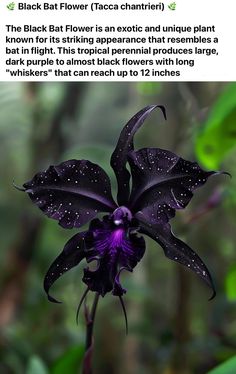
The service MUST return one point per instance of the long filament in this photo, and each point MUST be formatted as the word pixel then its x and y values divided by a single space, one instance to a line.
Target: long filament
pixel 125 314
pixel 80 303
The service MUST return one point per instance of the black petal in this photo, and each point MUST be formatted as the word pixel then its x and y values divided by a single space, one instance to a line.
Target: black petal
pixel 162 183
pixel 72 254
pixel 72 192
pixel 175 249
pixel 124 146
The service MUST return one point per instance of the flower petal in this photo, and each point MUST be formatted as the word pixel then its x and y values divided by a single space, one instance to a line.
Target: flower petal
pixel 101 279
pixel 72 254
pixel 124 146
pixel 72 192
pixel 162 182
pixel 175 249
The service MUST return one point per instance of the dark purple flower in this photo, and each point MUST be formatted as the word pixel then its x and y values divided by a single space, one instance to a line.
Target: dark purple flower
pixel 75 191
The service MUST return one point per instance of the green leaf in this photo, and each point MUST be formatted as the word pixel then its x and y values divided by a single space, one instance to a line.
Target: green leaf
pixel 217 137
pixel 230 284
pixel 69 362
pixel 36 366
pixel 228 367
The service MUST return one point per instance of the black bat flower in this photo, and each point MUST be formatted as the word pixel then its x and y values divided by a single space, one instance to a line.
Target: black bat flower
pixel 75 191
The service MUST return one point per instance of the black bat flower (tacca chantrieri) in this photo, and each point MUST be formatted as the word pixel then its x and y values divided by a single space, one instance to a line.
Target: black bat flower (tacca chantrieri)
pixel 75 191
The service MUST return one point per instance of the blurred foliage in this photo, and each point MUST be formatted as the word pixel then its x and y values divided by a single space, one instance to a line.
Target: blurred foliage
pixel 231 284
pixel 228 367
pixel 217 136
pixel 69 362
pixel 36 366
pixel 149 88
pixel 173 328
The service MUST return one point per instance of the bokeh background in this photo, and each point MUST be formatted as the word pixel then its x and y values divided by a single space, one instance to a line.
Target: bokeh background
pixel 173 328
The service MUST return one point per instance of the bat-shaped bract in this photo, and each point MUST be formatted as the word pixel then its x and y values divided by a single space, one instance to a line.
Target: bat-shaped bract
pixel 75 191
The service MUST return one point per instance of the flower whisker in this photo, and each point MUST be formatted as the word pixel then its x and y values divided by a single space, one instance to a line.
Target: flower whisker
pixel 80 304
pixel 125 314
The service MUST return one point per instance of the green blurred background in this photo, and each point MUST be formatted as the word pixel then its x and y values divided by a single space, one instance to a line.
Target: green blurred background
pixel 173 328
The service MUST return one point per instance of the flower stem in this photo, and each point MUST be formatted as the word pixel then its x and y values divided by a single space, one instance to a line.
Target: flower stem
pixel 90 323
pixel 90 318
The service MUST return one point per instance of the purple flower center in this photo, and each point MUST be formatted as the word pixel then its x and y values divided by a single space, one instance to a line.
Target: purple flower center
pixel 116 238
pixel 116 247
